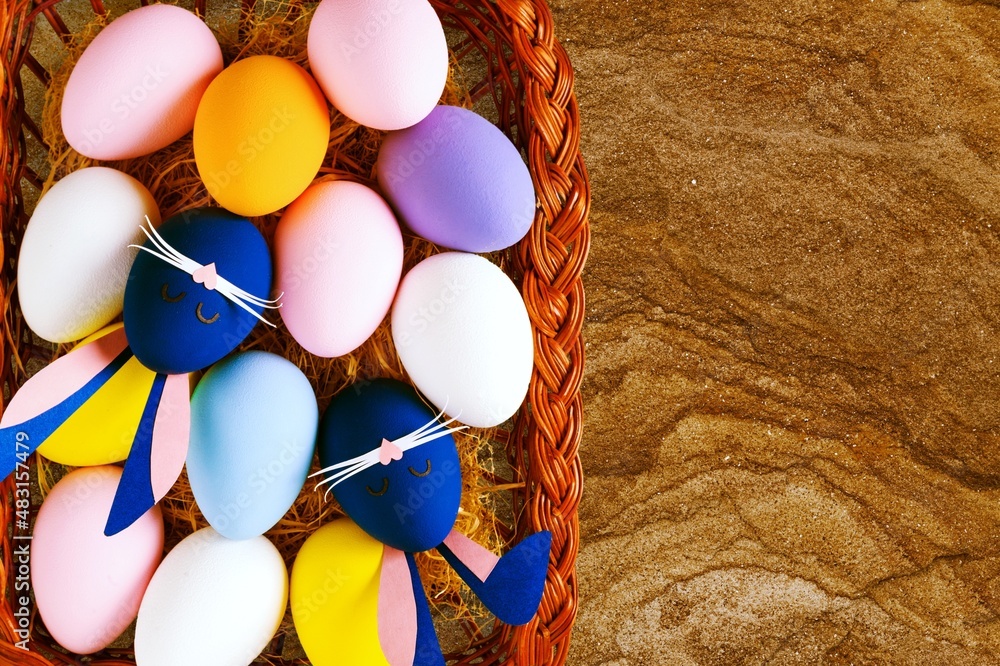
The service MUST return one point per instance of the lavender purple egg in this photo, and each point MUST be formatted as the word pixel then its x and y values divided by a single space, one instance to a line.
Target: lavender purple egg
pixel 458 181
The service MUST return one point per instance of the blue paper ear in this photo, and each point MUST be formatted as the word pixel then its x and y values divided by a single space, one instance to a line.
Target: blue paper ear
pixel 411 503
pixel 176 325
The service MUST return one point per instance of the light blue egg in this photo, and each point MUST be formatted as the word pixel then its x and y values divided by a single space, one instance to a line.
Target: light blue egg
pixel 253 432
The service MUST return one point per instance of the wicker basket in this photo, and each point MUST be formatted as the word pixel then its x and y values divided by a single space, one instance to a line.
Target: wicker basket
pixel 528 79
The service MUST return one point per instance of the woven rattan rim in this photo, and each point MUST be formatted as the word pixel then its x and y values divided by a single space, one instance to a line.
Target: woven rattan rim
pixel 530 80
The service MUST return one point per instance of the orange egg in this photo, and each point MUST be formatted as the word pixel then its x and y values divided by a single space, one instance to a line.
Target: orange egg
pixel 260 135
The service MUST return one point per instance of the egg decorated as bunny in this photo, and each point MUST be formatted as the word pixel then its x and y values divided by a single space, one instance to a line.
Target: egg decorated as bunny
pixel 179 322
pixel 395 471
pixel 195 291
pixel 410 504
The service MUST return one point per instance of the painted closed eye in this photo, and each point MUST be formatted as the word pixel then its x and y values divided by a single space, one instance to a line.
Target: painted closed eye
pixel 171 299
pixel 385 488
pixel 201 317
pixel 424 473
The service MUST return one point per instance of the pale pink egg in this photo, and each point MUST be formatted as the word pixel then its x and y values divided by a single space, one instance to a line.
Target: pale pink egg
pixel 137 86
pixel 88 586
pixel 383 63
pixel 339 255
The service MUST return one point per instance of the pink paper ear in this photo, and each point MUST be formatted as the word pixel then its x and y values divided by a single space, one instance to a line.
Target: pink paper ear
pixel 480 561
pixel 397 610
pixel 62 378
pixel 171 434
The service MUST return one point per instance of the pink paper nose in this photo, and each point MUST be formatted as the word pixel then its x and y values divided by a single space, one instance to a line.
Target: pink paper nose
pixel 389 452
pixel 206 275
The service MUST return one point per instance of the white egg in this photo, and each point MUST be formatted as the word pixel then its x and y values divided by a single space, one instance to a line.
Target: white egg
pixel 462 333
pixel 74 259
pixel 212 602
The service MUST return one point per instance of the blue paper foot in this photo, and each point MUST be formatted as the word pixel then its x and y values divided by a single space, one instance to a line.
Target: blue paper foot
pixel 514 588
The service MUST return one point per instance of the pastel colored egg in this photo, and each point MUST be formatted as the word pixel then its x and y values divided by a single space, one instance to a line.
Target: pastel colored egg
pixel 464 337
pixel 253 432
pixel 212 602
pixel 74 259
pixel 260 135
pixel 137 86
pixel 87 586
pixel 176 324
pixel 334 596
pixel 102 429
pixel 383 63
pixel 338 255
pixel 458 181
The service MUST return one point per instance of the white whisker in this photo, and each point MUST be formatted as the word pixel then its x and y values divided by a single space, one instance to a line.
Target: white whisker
pixel 344 474
pixel 155 236
pixel 347 463
pixel 432 424
pixel 420 436
pixel 241 298
pixel 437 435
pixel 361 464
pixel 430 431
pixel 158 255
pixel 256 300
pixel 249 309
pixel 335 479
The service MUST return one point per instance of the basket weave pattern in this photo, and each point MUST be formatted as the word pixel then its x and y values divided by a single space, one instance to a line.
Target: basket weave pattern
pixel 530 80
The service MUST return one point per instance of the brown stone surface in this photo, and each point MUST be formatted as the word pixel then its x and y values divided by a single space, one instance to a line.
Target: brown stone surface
pixel 792 439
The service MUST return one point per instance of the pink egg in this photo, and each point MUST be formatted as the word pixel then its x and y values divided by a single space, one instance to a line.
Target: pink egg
pixel 137 86
pixel 339 255
pixel 383 63
pixel 88 586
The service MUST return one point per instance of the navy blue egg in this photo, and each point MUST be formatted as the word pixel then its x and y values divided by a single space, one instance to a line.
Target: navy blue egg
pixel 175 325
pixel 410 504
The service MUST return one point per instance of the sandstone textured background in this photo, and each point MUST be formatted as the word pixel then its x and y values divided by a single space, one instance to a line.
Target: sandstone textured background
pixel 792 439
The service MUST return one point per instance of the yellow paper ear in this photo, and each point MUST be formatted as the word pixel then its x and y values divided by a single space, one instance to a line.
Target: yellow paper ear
pixel 101 431
pixel 334 596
